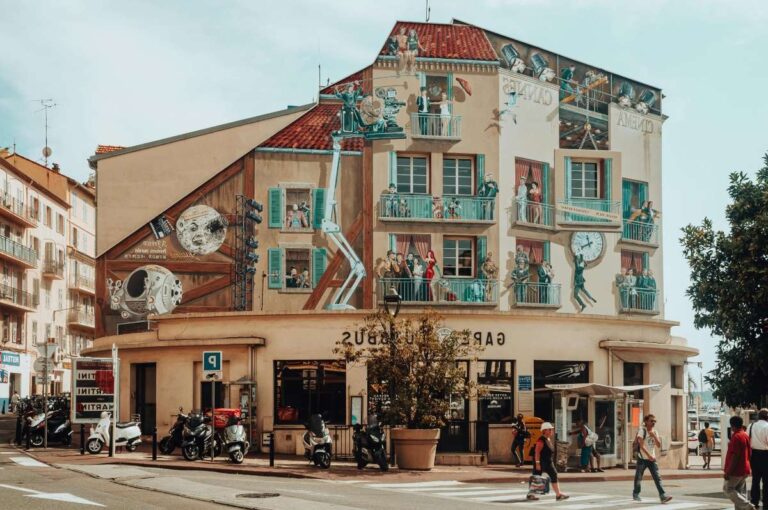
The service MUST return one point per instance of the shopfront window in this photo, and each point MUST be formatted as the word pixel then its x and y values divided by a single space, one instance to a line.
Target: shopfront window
pixel 304 388
pixel 556 372
pixel 634 375
pixel 495 384
pixel 605 426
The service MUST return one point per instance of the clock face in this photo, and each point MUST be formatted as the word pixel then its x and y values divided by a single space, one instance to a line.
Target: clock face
pixel 588 244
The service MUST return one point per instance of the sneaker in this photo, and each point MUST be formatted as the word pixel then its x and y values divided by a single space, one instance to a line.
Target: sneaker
pixel 532 497
pixel 562 497
pixel 666 499
pixel 636 498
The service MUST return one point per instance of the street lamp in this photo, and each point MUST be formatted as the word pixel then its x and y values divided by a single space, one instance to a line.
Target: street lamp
pixel 392 302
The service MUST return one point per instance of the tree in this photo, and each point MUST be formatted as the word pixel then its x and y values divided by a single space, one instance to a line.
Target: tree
pixel 729 290
pixel 415 365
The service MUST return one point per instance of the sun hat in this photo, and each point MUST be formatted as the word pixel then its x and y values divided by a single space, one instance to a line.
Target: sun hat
pixel 546 426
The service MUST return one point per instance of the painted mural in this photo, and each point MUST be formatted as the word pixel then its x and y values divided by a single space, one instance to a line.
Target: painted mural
pixel 149 289
pixel 201 230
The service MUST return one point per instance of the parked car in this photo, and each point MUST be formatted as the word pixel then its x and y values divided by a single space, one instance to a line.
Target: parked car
pixel 693 442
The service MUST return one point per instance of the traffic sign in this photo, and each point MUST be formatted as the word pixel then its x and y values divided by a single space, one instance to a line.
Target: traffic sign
pixel 212 361
pixel 40 365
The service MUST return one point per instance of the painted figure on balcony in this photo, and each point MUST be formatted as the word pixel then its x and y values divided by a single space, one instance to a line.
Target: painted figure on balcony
pixel 650 285
pixel 437 207
pixel 422 106
pixel 385 270
pixel 520 277
pixel 350 94
pixel 488 189
pixel 412 50
pixel 453 209
pixel 568 85
pixel 429 274
pixel 522 201
pixel 304 282
pixel 521 256
pixel 648 217
pixel 295 218
pixel 475 292
pixel 489 272
pixel 628 289
pixel 445 115
pixel 419 292
pixel 580 265
pixel 391 202
pixel 534 197
pixel 545 274
pixel 401 49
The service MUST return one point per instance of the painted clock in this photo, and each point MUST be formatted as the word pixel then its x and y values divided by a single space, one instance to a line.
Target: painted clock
pixel 590 245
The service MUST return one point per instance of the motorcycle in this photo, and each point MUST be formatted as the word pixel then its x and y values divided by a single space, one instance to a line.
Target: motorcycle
pixel 369 444
pixel 59 428
pixel 127 434
pixel 175 436
pixel 317 442
pixel 199 438
pixel 235 442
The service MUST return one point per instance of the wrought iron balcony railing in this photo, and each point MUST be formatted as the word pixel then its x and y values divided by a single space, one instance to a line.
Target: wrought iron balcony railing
pixel 18 208
pixel 536 295
pixel 435 126
pixel 636 300
pixel 587 210
pixel 418 207
pixel 441 291
pixel 17 296
pixel 82 318
pixel 532 214
pixel 18 251
pixel 640 232
pixel 82 282
pixel 53 268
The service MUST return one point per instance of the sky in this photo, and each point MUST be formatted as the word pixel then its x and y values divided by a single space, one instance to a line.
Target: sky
pixel 124 73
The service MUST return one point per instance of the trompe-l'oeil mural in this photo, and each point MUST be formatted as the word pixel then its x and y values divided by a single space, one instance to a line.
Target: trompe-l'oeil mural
pixel 150 289
pixel 201 229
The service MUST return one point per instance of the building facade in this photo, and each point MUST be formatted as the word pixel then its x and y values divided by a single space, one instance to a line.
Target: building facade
pixel 513 189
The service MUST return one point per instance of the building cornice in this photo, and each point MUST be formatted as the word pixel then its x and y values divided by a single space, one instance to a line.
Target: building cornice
pixel 285 150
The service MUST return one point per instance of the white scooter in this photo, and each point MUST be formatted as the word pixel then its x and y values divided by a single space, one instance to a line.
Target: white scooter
pixel 127 434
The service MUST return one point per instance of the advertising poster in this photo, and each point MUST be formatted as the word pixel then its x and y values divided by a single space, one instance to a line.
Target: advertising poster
pixel 93 389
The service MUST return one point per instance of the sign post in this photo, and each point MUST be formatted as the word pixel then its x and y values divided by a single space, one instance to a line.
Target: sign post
pixel 48 354
pixel 95 389
pixel 212 361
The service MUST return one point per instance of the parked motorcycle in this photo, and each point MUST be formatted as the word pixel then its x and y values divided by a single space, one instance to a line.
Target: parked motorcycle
pixel 369 444
pixel 199 438
pixel 59 428
pixel 317 442
pixel 127 434
pixel 175 436
pixel 235 442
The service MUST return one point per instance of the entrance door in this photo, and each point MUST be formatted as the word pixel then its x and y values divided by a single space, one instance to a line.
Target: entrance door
pixel 454 436
pixel 205 394
pixel 634 422
pixel 145 400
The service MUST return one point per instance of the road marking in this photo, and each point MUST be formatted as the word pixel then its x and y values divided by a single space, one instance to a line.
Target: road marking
pixel 27 462
pixel 585 506
pixel 672 506
pixel 413 484
pixel 586 497
pixel 55 496
pixel 453 488
pixel 487 492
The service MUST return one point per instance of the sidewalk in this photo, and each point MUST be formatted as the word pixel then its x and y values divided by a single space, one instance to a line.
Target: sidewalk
pixel 295 467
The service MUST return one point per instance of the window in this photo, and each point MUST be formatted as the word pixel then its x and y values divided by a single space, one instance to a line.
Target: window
pixel 47 302
pixel 73 240
pixel 436 87
pixel 634 375
pixel 676 422
pixel 412 174
pixel 295 269
pixel 297 208
pixel 47 333
pixel 633 195
pixel 458 257
pixel 304 388
pixel 495 380
pixel 61 299
pixel 48 215
pixel 36 291
pixel 457 176
pixel 584 180
pixel 676 377
pixel 297 273
pixel 635 260
pixel 605 426
pixel 59 223
pixel 36 208
pixel 36 247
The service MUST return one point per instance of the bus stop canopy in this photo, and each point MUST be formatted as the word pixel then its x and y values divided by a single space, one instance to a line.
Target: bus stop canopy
pixel 602 390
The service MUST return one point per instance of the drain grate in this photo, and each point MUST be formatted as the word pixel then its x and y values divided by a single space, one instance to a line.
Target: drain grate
pixel 258 495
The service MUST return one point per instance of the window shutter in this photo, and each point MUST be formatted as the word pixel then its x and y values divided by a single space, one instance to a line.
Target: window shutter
pixel 646 260
pixel 318 265
pixel 545 255
pixel 422 80
pixel 480 170
pixel 275 208
pixel 642 192
pixel 545 182
pixel 275 270
pixel 482 247
pixel 449 92
pixel 607 175
pixel 318 203
pixel 626 198
pixel 568 188
pixel 392 168
pixel 393 242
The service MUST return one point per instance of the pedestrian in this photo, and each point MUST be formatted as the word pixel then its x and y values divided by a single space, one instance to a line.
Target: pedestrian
pixel 706 444
pixel 15 401
pixel 543 462
pixel 737 466
pixel 520 434
pixel 758 441
pixel 645 445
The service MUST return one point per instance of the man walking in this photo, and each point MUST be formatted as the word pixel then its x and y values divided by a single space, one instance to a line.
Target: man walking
pixel 15 401
pixel 706 444
pixel 758 441
pixel 645 447
pixel 737 466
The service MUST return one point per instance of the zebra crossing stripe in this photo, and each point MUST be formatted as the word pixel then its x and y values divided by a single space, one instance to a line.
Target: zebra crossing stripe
pixel 673 506
pixel 486 492
pixel 414 485
pixel 585 506
pixel 586 497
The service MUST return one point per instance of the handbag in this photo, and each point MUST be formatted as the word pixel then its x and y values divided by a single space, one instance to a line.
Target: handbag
pixel 538 484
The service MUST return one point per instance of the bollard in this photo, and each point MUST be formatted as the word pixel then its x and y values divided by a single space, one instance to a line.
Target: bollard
pixel 18 431
pixel 82 439
pixel 271 449
pixel 392 454
pixel 154 443
pixel 29 438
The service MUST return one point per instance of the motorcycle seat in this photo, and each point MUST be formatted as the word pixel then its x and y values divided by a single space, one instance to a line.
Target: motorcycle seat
pixel 126 424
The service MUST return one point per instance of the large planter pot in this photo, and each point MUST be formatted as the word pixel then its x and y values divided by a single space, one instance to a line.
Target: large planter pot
pixel 415 448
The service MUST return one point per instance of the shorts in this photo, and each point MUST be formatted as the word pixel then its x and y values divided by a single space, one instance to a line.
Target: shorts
pixel 705 449
pixel 550 470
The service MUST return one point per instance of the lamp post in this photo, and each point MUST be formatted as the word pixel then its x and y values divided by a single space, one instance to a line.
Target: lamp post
pixel 392 303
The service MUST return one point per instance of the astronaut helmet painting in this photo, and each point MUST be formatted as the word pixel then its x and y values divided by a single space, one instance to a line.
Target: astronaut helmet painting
pixel 201 229
pixel 149 289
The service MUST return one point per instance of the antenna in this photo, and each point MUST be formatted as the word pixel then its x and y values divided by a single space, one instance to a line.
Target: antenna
pixel 47 105
pixel 428 11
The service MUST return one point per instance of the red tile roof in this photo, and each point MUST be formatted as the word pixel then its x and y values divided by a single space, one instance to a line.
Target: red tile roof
pixel 313 131
pixel 352 77
pixel 102 149
pixel 464 42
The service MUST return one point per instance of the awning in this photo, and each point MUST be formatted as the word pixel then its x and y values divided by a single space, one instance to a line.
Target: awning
pixel 594 389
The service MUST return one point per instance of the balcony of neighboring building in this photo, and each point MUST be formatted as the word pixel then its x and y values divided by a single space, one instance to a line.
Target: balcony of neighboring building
pixel 425 208
pixel 436 126
pixel 53 269
pixel 475 292
pixel 82 283
pixel 16 211
pixel 535 295
pixel 17 253
pixel 82 318
pixel 17 299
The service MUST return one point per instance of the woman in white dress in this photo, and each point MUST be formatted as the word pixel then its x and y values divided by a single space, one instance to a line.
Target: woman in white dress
pixel 445 115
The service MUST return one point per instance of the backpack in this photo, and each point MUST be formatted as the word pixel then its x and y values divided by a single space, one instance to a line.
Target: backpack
pixel 636 445
pixel 591 438
pixel 702 437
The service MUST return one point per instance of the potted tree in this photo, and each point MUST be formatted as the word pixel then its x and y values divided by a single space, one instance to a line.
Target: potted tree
pixel 415 365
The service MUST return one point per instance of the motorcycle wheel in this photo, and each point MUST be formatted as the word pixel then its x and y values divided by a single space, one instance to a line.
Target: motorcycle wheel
pixel 36 440
pixel 190 452
pixel 131 447
pixel 381 460
pixel 361 463
pixel 167 445
pixel 236 456
pixel 93 446
pixel 323 459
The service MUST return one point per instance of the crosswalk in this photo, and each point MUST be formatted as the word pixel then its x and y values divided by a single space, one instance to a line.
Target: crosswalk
pixel 515 496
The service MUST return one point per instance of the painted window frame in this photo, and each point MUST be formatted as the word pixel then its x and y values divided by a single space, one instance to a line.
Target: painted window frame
pixel 428 172
pixel 472 175
pixel 473 263
pixel 598 178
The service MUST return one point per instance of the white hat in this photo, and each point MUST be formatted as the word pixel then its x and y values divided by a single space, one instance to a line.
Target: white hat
pixel 546 426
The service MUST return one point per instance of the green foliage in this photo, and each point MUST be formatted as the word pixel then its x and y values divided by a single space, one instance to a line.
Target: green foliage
pixel 416 365
pixel 729 290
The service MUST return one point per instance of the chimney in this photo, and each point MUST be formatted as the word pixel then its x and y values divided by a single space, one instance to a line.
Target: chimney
pixel 55 167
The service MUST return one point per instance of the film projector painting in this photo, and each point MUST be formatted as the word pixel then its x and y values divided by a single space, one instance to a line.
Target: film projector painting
pixel 182 260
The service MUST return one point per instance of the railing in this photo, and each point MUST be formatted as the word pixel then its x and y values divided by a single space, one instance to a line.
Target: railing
pixel 17 207
pixel 595 210
pixel 532 214
pixel 435 126
pixel 536 294
pixel 84 318
pixel 635 300
pixel 449 208
pixel 641 232
pixel 17 250
pixel 441 291
pixel 83 282
pixel 53 267
pixel 16 296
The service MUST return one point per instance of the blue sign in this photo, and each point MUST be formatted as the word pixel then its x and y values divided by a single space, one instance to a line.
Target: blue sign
pixel 212 361
pixel 11 359
pixel 524 383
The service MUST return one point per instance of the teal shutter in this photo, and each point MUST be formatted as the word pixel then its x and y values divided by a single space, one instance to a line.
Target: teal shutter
pixel 422 81
pixel 626 198
pixel 392 168
pixel 318 202
pixel 318 265
pixel 568 188
pixel 482 250
pixel 275 269
pixel 480 170
pixel 546 252
pixel 607 175
pixel 545 183
pixel 642 193
pixel 646 260
pixel 392 242
pixel 275 208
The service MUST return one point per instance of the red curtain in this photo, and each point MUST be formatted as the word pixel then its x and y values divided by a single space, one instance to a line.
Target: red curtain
pixel 531 170
pixel 421 242
pixel 632 259
pixel 534 249
pixel 401 244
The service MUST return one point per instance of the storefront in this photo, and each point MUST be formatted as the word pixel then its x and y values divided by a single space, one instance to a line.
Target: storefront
pixel 14 376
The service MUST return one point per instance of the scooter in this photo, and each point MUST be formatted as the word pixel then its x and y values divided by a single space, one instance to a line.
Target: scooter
pixel 175 436
pixel 59 429
pixel 199 438
pixel 317 442
pixel 127 434
pixel 369 444
pixel 235 442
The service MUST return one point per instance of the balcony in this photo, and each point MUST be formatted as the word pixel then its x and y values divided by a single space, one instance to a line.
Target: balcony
pixel 82 284
pixel 642 301
pixel 15 211
pixel 433 126
pixel 595 213
pixel 426 208
pixel 640 232
pixel 53 269
pixel 441 291
pixel 17 253
pixel 82 318
pixel 533 214
pixel 17 299
pixel 535 295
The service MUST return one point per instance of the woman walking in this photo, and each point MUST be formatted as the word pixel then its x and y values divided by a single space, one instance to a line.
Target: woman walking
pixel 543 460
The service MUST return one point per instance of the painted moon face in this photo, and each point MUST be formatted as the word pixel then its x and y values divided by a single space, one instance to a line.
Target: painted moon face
pixel 588 244
pixel 201 230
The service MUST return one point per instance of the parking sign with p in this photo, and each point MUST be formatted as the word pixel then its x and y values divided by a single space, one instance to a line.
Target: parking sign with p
pixel 212 361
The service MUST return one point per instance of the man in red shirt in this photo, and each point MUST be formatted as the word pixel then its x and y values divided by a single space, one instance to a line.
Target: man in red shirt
pixel 737 466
